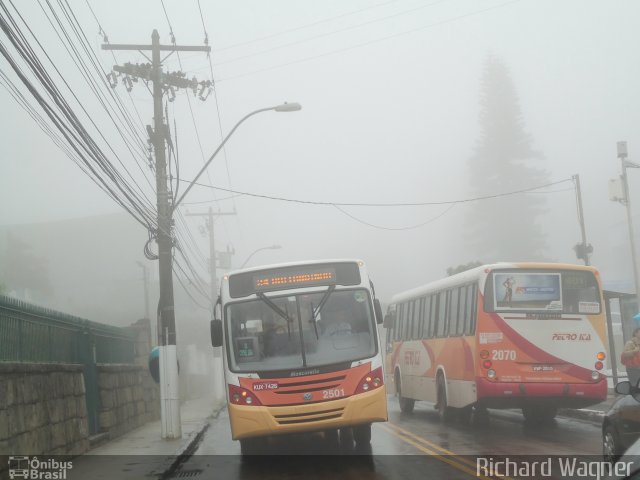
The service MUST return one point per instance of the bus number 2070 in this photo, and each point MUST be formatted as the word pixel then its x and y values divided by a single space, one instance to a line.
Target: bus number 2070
pixel 503 354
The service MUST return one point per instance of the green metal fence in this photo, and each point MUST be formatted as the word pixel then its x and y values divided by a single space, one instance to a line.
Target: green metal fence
pixel 29 333
pixel 33 334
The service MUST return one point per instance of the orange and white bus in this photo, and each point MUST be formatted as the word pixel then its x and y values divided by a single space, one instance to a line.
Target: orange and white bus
pixel 301 351
pixel 508 335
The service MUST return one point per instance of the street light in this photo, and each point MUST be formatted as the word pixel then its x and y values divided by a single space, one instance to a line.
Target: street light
pixel 285 107
pixel 272 247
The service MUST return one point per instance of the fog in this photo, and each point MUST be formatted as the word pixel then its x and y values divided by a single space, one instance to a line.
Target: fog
pixel 391 96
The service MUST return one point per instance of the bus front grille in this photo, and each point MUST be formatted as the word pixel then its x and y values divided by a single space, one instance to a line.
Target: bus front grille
pixel 309 416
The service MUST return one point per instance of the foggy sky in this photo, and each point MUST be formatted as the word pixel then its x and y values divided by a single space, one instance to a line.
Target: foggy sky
pixel 392 121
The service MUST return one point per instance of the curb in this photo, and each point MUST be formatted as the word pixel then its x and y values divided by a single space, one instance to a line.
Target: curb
pixel 591 416
pixel 189 446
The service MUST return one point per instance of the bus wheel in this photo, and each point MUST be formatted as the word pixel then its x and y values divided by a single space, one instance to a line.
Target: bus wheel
pixel 346 438
pixel 362 435
pixel 251 446
pixel 464 415
pixel 406 404
pixel 480 416
pixel 444 411
pixel 539 414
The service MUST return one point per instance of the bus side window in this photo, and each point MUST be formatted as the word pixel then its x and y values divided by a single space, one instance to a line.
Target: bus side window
pixel 426 305
pixel 433 316
pixel 442 313
pixel 463 315
pixel 420 330
pixel 453 311
pixel 410 320
pixel 417 317
pixel 473 299
pixel 397 327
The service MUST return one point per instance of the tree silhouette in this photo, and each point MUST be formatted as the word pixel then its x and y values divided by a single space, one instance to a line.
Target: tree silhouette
pixel 504 228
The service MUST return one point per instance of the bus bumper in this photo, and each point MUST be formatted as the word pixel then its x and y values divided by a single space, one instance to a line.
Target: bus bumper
pixel 518 394
pixel 257 421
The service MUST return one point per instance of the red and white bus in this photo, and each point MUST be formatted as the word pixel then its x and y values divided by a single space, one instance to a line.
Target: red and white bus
pixel 301 351
pixel 508 335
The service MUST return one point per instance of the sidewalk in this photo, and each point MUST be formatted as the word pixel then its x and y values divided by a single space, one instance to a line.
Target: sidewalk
pixel 142 453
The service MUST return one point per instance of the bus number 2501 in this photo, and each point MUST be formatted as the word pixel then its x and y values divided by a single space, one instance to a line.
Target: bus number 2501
pixel 333 393
pixel 503 354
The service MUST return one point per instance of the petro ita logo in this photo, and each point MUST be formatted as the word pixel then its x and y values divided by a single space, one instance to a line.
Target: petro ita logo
pixel 35 469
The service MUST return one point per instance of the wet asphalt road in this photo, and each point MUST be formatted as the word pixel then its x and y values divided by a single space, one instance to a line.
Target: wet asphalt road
pixel 416 445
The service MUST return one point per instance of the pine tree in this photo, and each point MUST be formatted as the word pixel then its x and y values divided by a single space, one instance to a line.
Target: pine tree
pixel 504 228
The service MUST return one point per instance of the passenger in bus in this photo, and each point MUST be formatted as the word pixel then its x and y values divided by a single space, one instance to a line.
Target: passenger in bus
pixel 631 357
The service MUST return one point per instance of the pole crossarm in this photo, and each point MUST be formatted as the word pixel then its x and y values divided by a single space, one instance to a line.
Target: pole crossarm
pixel 162 48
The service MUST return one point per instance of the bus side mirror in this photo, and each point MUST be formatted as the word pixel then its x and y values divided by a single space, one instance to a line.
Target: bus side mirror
pixel 388 320
pixel 378 310
pixel 216 333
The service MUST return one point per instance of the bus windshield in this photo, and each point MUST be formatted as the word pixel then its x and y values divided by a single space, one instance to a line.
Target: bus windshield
pixel 299 331
pixel 565 291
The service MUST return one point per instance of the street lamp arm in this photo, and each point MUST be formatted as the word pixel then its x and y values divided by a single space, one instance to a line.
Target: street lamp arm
pixel 192 183
pixel 272 247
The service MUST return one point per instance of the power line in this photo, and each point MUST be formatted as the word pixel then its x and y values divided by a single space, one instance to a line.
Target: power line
pixel 371 42
pixel 396 228
pixel 333 32
pixel 400 204
pixel 313 24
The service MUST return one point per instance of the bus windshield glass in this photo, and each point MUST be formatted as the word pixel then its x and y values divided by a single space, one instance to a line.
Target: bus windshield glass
pixel 566 291
pixel 300 331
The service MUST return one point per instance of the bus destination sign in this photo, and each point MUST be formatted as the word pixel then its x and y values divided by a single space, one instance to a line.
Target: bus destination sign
pixel 243 284
pixel 264 281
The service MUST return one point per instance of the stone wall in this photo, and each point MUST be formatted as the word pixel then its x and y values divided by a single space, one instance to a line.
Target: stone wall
pixel 128 398
pixel 42 409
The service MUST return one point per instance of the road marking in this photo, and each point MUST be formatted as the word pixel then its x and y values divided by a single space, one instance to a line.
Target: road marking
pixel 431 448
pixel 459 466
pixel 432 445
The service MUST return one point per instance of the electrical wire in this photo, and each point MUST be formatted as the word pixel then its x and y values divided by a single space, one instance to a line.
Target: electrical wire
pixel 395 228
pixel 399 204
pixel 313 24
pixel 370 42
pixel 333 32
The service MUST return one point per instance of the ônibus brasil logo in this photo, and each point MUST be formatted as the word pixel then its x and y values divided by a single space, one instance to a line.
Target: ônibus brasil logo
pixel 34 469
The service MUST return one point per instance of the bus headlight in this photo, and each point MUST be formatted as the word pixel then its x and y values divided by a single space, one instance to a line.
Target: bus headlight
pixel 370 381
pixel 595 375
pixel 491 373
pixel 242 396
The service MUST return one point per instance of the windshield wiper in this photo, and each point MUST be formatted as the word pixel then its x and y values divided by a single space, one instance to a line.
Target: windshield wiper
pixel 276 309
pixel 315 312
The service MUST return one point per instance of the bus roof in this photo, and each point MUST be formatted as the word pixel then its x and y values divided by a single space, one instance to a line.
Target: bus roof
pixel 476 273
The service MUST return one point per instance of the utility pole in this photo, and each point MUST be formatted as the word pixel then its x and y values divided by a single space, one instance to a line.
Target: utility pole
pixel 583 250
pixel 218 391
pixel 145 281
pixel 169 386
pixel 626 200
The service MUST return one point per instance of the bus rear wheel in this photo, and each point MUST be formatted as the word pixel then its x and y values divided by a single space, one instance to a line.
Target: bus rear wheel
pixel 362 435
pixel 539 414
pixel 406 404
pixel 444 411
